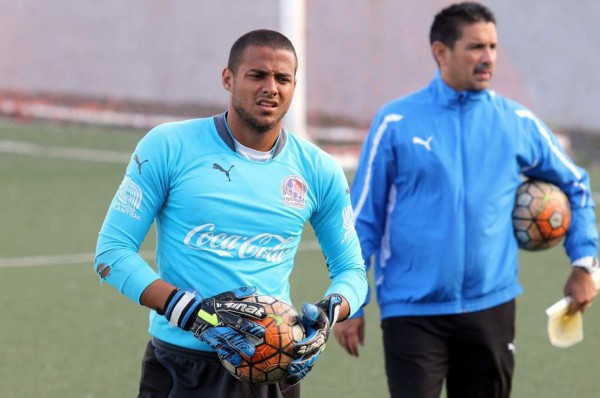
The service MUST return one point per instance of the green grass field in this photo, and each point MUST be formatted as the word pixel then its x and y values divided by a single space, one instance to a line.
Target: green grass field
pixel 64 335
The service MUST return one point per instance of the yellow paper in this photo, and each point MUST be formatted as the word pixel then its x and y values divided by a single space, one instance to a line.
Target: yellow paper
pixel 566 330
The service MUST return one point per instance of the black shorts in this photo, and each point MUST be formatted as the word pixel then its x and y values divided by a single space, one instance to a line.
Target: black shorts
pixel 176 372
pixel 473 351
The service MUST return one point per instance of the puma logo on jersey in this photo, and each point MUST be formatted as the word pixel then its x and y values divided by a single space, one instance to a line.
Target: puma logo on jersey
pixel 217 166
pixel 139 164
pixel 426 143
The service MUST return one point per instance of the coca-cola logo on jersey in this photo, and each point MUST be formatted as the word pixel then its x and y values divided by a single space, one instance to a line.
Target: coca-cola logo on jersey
pixel 268 247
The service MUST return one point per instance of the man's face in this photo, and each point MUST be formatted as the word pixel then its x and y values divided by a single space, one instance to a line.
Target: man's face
pixel 262 88
pixel 469 65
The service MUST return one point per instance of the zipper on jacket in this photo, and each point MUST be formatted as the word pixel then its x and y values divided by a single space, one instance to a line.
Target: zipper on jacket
pixel 462 100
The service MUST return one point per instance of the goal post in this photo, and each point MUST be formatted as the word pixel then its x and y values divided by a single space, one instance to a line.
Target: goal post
pixel 292 23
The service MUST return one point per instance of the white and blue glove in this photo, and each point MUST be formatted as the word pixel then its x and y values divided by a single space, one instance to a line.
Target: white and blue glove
pixel 221 321
pixel 317 319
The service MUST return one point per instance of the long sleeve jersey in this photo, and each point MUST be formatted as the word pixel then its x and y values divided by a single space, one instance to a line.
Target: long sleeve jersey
pixel 224 221
pixel 434 193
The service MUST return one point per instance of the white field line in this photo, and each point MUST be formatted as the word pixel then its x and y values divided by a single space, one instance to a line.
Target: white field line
pixel 90 155
pixel 83 258
pixel 93 155
pixel 61 259
pixel 348 162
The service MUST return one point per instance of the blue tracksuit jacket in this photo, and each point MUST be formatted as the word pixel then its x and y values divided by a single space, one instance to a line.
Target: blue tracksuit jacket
pixel 434 193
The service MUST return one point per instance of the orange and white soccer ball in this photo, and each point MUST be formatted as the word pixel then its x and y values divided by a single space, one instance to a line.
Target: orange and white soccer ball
pixel 283 329
pixel 541 216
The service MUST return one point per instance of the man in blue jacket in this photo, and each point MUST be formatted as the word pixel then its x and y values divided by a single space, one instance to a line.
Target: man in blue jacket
pixel 433 197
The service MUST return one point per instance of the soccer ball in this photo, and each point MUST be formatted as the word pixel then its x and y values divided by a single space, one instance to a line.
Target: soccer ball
pixel 541 216
pixel 283 329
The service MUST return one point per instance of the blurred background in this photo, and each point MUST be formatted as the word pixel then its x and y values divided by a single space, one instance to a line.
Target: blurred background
pixel 82 81
pixel 139 62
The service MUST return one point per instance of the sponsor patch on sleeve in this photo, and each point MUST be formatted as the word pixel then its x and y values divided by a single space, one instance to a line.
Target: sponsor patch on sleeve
pixel 347 222
pixel 128 198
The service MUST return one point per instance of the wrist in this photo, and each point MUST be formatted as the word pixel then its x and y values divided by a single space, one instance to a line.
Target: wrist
pixel 162 310
pixel 331 306
pixel 589 264
pixel 180 308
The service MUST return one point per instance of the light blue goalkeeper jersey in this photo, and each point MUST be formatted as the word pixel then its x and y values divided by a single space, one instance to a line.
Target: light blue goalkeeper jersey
pixel 224 221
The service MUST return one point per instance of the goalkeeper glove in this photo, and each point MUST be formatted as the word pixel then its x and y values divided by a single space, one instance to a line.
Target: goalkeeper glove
pixel 220 321
pixel 318 319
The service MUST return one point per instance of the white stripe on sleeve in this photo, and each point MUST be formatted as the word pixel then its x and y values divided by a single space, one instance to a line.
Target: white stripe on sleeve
pixel 561 156
pixel 376 140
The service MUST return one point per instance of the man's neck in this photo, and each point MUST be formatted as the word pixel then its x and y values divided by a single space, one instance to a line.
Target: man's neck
pixel 262 141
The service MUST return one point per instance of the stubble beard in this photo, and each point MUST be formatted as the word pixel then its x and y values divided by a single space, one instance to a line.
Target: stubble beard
pixel 254 123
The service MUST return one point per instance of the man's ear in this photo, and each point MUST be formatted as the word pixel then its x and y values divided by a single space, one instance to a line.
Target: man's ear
pixel 226 79
pixel 440 52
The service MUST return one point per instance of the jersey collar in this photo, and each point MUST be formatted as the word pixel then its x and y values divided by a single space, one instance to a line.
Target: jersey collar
pixel 226 136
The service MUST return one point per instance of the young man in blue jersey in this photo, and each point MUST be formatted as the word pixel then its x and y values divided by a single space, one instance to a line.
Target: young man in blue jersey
pixel 230 195
pixel 433 197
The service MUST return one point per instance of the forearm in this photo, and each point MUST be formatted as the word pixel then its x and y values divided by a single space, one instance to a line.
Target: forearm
pixel 582 237
pixel 156 294
pixel 124 269
pixel 352 285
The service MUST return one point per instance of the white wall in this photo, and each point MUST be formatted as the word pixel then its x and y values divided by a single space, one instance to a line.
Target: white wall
pixel 139 49
pixel 360 53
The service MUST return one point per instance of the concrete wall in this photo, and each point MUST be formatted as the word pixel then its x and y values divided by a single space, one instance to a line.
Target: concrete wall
pixel 137 49
pixel 382 52
pixel 360 53
pixel 553 45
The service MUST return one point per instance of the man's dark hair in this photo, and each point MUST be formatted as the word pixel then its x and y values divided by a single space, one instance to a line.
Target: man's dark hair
pixel 258 38
pixel 447 24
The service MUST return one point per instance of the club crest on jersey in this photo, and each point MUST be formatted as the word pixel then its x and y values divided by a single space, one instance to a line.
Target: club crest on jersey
pixel 293 191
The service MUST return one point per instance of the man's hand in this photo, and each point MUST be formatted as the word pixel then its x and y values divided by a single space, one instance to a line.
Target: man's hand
pixel 580 287
pixel 350 334
pixel 318 319
pixel 221 321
